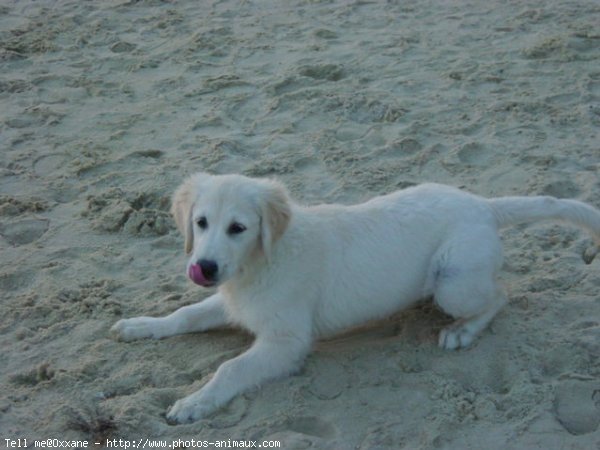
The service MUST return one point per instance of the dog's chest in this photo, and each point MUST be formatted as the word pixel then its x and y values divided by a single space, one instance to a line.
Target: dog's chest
pixel 246 310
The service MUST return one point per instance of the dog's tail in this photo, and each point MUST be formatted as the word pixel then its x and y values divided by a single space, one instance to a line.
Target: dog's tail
pixel 512 210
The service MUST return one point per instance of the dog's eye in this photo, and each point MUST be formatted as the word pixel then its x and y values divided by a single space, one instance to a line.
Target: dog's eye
pixel 236 228
pixel 202 223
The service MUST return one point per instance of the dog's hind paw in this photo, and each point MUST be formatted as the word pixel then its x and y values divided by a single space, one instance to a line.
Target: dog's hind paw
pixel 456 336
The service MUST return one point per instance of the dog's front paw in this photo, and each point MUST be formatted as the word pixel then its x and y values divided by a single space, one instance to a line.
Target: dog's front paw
pixel 137 328
pixel 189 409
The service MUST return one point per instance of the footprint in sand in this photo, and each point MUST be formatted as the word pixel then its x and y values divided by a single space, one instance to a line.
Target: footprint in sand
pixel 311 426
pixel 329 381
pixel 577 406
pixel 303 432
pixel 561 189
pixel 122 47
pixel 135 213
pixel 24 231
pixel 473 154
pixel 49 163
pixel 14 281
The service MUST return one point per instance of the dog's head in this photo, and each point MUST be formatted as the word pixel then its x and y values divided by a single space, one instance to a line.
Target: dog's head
pixel 227 220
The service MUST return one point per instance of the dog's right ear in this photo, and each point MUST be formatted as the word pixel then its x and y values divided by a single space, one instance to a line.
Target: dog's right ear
pixel 182 204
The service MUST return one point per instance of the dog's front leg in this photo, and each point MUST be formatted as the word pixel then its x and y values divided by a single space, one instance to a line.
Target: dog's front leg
pixel 202 316
pixel 268 358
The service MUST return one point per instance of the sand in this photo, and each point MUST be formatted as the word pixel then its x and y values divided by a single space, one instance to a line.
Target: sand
pixel 106 105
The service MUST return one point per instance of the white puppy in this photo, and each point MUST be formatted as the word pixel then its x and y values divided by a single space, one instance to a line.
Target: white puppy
pixel 290 274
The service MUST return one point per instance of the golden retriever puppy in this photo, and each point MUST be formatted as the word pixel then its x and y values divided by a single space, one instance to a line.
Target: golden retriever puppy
pixel 290 274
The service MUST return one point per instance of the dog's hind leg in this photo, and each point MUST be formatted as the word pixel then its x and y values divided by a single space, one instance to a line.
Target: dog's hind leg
pixel 464 331
pixel 465 286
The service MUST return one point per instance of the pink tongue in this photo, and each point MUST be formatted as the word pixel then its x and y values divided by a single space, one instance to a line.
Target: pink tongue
pixel 196 275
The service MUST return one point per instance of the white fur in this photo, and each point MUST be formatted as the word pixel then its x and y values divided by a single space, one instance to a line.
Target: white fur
pixel 298 273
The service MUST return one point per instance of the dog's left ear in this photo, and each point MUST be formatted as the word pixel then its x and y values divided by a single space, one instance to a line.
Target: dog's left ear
pixel 275 214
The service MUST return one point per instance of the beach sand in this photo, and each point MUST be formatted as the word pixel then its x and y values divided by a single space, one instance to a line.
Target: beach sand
pixel 107 105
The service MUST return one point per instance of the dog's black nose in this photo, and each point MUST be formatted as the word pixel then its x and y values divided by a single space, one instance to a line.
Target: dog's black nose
pixel 209 269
